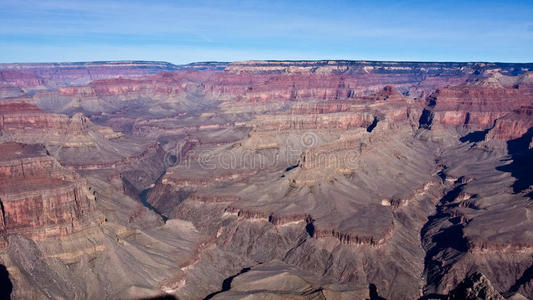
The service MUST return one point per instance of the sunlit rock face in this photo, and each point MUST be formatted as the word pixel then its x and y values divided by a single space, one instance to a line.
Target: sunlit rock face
pixel 329 80
pixel 39 198
pixel 267 179
pixel 485 104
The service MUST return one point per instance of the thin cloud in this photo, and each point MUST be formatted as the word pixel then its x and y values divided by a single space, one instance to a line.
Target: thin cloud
pixel 329 28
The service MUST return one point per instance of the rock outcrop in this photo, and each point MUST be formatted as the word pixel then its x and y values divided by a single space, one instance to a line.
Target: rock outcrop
pixel 39 198
pixel 475 286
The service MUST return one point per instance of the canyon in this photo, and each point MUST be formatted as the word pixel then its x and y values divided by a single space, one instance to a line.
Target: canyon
pixel 267 180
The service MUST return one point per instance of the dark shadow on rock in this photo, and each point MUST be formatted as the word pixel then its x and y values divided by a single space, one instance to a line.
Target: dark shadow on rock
pixel 144 199
pixel 373 292
pixel 373 125
pixel 522 161
pixel 226 284
pixel 426 119
pixel 526 277
pixel 433 297
pixel 475 136
pixel 291 167
pixel 163 297
pixel 6 287
pixel 310 229
pixel 450 237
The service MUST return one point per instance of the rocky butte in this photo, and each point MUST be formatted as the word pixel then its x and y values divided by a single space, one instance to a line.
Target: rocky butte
pixel 267 179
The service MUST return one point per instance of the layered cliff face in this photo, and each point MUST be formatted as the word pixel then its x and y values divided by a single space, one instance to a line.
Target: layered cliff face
pixel 498 102
pixel 156 96
pixel 18 79
pixel 39 198
pixel 67 236
pixel 74 141
pixel 326 179
pixel 13 82
pixel 27 122
pixel 329 80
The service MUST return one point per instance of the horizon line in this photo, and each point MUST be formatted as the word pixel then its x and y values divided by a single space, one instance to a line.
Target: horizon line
pixel 258 60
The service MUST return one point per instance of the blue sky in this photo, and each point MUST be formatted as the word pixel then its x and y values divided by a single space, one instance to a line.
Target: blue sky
pixel 188 31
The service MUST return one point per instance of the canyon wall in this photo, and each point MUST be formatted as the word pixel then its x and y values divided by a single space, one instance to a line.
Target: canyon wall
pixel 322 179
pixel 39 198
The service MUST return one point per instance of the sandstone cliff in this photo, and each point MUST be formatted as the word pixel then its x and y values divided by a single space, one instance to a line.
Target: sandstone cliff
pixel 39 198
